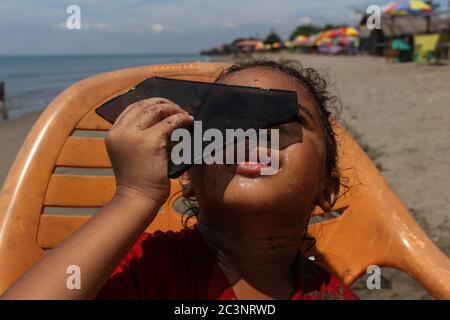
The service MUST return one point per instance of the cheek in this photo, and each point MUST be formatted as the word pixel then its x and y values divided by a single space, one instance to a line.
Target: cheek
pixel 305 165
pixel 209 182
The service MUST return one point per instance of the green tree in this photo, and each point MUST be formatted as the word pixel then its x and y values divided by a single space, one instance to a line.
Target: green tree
pixel 329 26
pixel 304 30
pixel 272 37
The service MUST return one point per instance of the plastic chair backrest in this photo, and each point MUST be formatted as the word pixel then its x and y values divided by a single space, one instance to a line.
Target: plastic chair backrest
pixel 63 164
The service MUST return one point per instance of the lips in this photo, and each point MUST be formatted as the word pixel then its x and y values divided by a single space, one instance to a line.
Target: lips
pixel 250 168
pixel 252 165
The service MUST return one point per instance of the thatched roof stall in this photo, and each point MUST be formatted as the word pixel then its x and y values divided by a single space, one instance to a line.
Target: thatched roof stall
pixel 393 26
pixel 377 40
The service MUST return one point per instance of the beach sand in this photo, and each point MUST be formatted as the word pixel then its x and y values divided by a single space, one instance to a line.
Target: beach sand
pixel 401 116
pixel 12 134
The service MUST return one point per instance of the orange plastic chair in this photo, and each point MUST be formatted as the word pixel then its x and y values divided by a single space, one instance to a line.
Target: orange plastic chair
pixel 373 227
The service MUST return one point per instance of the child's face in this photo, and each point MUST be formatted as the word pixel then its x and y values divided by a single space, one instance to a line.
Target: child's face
pixel 222 190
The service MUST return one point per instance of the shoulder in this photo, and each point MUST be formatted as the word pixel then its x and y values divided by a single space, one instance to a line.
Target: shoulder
pixel 160 245
pixel 155 267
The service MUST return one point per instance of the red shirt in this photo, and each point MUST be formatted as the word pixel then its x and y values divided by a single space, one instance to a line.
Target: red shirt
pixel 178 265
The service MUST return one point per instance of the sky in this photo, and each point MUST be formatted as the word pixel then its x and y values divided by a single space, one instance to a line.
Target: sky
pixel 29 27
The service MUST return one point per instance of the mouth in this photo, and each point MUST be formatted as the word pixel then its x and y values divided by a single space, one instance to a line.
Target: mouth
pixel 250 168
pixel 255 163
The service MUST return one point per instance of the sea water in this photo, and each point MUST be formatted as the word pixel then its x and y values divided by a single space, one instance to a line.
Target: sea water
pixel 32 82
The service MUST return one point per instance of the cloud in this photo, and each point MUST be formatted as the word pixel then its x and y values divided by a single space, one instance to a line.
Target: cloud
pixel 157 28
pixel 305 20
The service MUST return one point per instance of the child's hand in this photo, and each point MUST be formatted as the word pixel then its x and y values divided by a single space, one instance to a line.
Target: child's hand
pixel 137 145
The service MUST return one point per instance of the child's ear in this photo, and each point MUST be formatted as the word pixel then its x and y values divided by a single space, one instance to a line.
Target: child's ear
pixel 328 197
pixel 186 187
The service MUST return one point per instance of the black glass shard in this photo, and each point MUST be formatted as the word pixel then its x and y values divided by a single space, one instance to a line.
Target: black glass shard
pixel 218 106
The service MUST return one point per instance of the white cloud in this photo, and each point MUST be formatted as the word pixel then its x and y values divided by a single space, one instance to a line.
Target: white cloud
pixel 305 20
pixel 157 28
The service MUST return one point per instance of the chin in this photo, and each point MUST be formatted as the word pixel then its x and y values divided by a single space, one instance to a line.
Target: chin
pixel 254 194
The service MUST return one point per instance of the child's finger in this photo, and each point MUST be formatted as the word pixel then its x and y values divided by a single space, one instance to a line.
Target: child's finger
pixel 134 111
pixel 130 112
pixel 119 119
pixel 156 113
pixel 169 124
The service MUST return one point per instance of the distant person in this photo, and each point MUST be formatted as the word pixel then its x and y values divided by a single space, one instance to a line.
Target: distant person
pixel 2 101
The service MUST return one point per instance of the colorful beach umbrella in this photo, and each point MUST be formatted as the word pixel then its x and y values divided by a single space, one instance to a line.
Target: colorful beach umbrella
pixel 289 44
pixel 351 32
pixel 328 33
pixel 334 33
pixel 300 40
pixel 342 32
pixel 407 7
pixel 277 45
pixel 347 40
pixel 312 38
pixel 324 41
pixel 259 45
pixel 339 36
pixel 308 41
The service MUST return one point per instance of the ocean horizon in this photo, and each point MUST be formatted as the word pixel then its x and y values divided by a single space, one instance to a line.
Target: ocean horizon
pixel 33 81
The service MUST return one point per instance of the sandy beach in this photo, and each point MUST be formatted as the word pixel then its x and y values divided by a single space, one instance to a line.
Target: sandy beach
pixel 399 113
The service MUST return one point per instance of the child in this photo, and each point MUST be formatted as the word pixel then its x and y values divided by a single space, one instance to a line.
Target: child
pixel 250 227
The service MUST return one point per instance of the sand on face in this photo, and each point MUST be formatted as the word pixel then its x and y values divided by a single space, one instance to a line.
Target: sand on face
pixel 401 113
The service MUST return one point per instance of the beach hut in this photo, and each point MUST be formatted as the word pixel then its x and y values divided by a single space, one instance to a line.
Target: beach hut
pixel 400 24
pixel 414 24
pixel 248 45
pixel 408 8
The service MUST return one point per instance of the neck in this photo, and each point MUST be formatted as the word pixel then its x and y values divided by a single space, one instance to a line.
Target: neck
pixel 251 257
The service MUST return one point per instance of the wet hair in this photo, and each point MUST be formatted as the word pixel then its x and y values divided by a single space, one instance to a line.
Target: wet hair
pixel 326 103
